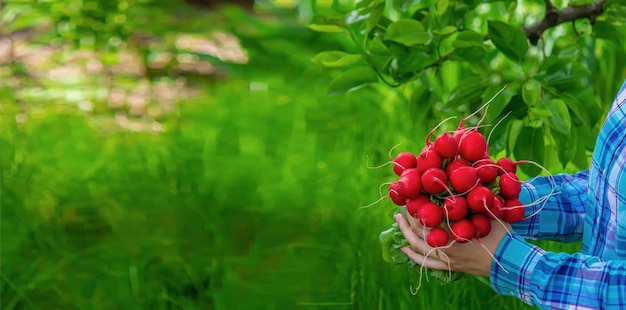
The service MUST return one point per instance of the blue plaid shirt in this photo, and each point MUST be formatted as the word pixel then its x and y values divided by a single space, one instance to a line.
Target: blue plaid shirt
pixel 590 207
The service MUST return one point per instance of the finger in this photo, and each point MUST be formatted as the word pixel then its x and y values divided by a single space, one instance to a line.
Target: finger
pixel 404 226
pixel 417 227
pixel 430 261
pixel 418 244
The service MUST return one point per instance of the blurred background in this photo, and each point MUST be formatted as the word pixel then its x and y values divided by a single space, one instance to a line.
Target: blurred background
pixel 186 155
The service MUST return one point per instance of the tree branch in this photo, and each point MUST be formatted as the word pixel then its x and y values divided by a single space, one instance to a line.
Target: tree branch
pixel 549 5
pixel 554 17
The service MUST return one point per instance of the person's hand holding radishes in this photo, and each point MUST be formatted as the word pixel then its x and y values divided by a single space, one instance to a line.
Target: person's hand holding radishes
pixel 469 257
pixel 459 203
pixel 453 216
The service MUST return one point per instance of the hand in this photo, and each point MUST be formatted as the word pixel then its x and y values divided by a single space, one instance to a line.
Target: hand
pixel 470 257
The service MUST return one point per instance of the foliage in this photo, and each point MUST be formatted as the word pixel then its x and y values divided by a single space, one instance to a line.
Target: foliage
pixel 241 191
pixel 445 57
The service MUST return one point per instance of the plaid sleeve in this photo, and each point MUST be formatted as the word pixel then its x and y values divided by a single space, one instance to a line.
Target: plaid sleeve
pixel 551 280
pixel 560 217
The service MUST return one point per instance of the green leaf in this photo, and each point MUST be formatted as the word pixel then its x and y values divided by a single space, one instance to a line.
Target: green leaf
pixel 515 128
pixel 509 40
pixel 468 38
pixel 444 277
pixel 398 239
pixel 479 68
pixel 407 32
pixel 588 101
pixel 378 54
pixel 615 12
pixel 497 136
pixel 352 80
pixel 583 104
pixel 334 59
pixel 386 242
pixel 540 112
pixel 326 28
pixel 442 6
pixel 532 147
pixel 605 30
pixel 375 16
pixel 560 119
pixel 576 107
pixel 468 46
pixel 445 30
pixel 497 105
pixel 377 47
pixel 414 62
pixel 511 10
pixel 566 145
pixel 342 7
pixel 473 53
pixel 531 92
pixel 569 52
pixel 581 159
pixel 421 103
pixel 561 73
pixel 467 92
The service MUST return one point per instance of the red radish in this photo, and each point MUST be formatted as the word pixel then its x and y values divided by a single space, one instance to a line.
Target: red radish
pixel 410 183
pixel 463 179
pixel 446 145
pixel 507 165
pixel 510 186
pixel 497 208
pixel 430 214
pixel 434 181
pixel 413 205
pixel 455 208
pixel 480 199
pixel 472 146
pixel 428 143
pixel 513 211
pixel 394 195
pixel 481 223
pixel 487 170
pixel 427 159
pixel 410 171
pixel 463 231
pixel 404 160
pixel 460 131
pixel 437 237
pixel 456 163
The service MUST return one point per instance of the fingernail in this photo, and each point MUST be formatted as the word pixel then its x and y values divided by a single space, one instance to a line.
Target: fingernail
pixel 397 218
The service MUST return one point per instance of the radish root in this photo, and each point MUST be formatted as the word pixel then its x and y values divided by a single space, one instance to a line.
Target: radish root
pixel 491 254
pixel 483 106
pixel 434 129
pixel 496 125
pixel 391 150
pixel 419 284
pixel 367 164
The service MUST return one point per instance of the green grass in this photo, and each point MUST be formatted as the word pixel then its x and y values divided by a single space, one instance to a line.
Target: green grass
pixel 249 200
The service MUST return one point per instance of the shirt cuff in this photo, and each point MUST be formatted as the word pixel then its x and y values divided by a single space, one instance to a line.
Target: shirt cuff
pixel 525 227
pixel 511 274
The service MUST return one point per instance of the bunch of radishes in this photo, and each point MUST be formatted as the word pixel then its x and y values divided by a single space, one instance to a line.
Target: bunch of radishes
pixel 454 187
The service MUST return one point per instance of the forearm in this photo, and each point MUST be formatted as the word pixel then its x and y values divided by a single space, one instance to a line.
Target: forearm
pixel 557 207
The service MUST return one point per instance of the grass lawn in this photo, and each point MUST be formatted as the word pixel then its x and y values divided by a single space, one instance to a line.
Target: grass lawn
pixel 248 199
